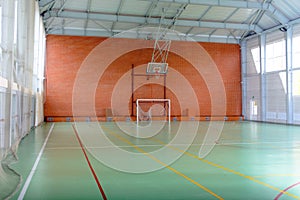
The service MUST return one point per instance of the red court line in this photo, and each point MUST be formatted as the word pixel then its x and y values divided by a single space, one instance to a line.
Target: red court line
pixel 281 193
pixel 90 165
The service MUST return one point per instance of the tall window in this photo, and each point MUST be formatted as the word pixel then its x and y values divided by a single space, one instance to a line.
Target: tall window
pixel 296 95
pixel 0 23
pixel 296 83
pixel 16 22
pixel 296 52
pixel 256 58
pixel 275 56
pixel 253 56
pixel 0 39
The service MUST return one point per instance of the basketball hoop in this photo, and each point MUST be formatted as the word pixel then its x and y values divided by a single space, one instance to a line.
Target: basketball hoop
pixel 157 69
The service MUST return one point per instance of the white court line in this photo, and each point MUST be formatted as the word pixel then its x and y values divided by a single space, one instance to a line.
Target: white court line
pixel 256 142
pixel 159 145
pixel 28 180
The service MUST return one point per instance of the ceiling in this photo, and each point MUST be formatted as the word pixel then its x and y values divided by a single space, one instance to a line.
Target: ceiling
pixel 228 21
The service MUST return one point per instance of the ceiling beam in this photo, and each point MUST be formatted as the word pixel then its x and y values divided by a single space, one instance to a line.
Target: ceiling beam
pixel 271 10
pixel 276 14
pixel 118 13
pixel 88 8
pixel 135 34
pixel 150 8
pixel 223 3
pixel 291 23
pixel 43 3
pixel 143 20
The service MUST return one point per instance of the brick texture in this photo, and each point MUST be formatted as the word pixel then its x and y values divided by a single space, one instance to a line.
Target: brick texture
pixel 66 54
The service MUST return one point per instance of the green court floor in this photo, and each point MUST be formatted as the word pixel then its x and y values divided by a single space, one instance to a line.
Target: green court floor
pixel 248 160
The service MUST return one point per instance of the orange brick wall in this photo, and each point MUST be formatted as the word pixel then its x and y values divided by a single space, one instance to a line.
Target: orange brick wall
pixel 65 55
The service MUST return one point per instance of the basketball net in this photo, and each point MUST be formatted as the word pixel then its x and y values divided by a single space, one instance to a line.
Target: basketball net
pixel 157 70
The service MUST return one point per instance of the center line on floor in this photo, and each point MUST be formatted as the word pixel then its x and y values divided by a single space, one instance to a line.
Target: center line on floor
pixel 89 164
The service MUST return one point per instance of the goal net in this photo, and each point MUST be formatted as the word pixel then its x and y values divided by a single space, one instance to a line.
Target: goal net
pixel 148 110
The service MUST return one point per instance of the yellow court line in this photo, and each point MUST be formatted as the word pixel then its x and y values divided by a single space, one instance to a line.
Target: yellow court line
pixel 228 170
pixel 164 164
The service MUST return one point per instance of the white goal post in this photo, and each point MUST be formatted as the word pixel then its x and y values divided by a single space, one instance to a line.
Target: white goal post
pixel 168 101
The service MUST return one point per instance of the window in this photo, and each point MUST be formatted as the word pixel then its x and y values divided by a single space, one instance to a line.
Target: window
pixel 275 56
pixel 296 95
pixel 0 23
pixel 0 39
pixel 253 56
pixel 282 76
pixel 16 22
pixel 296 83
pixel 256 58
pixel 296 52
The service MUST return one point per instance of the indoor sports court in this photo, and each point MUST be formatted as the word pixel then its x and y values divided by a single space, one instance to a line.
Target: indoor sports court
pixel 149 99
